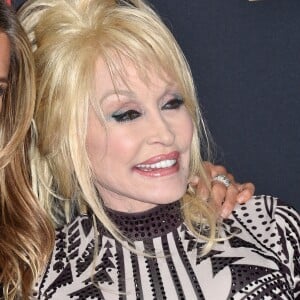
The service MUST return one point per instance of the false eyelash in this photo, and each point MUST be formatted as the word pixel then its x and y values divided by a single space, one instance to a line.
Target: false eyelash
pixel 177 101
pixel 126 116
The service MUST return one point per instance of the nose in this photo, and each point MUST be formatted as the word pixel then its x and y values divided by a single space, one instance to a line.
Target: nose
pixel 160 131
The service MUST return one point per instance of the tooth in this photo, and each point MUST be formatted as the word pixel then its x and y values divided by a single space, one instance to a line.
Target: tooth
pixel 164 163
pixel 159 165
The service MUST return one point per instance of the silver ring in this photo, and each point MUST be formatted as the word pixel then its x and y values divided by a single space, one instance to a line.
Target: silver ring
pixel 222 179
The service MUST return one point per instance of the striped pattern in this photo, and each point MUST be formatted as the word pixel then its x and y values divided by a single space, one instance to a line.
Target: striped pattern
pixel 260 262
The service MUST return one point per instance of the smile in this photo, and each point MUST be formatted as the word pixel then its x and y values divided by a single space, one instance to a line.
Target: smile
pixel 159 165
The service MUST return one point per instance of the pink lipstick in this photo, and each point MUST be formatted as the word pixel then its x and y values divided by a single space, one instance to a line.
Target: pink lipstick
pixel 159 165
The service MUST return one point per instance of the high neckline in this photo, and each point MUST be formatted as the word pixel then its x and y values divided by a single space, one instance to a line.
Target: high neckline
pixel 149 224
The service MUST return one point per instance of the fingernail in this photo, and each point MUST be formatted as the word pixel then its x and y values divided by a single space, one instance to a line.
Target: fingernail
pixel 225 213
pixel 240 199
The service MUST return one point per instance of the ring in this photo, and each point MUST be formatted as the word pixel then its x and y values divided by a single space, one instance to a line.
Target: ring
pixel 222 179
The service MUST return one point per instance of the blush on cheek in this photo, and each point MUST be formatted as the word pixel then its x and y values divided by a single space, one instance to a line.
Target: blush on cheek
pixel 190 130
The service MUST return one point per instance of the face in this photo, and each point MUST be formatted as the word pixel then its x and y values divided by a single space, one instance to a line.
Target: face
pixel 140 154
pixel 4 64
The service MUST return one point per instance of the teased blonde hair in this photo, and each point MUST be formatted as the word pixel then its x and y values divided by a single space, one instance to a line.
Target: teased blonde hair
pixel 26 234
pixel 68 37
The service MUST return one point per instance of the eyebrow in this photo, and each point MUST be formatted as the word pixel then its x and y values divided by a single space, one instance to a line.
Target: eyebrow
pixel 129 93
pixel 3 79
pixel 116 92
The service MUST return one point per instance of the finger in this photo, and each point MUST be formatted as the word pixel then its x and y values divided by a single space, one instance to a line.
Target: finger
pixel 231 178
pixel 214 170
pixel 217 170
pixel 208 169
pixel 218 193
pixel 202 190
pixel 246 191
pixel 230 201
pixel 194 180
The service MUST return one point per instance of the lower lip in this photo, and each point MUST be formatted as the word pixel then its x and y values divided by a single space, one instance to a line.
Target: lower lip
pixel 159 172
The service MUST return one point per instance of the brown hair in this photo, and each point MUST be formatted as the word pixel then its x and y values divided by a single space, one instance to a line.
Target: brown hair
pixel 26 234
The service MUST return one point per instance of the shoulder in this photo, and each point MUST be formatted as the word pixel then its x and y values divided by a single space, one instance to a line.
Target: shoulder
pixel 71 240
pixel 269 222
pixel 263 210
pixel 273 225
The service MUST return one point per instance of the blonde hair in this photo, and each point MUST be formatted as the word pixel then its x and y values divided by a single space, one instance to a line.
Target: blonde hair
pixel 68 36
pixel 26 234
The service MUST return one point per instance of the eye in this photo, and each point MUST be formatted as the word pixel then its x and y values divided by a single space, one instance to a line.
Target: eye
pixel 2 90
pixel 174 103
pixel 126 116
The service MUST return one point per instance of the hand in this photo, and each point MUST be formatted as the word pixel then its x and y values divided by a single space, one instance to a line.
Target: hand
pixel 224 198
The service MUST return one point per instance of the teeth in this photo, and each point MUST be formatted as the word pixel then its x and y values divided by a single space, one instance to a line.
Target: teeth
pixel 160 165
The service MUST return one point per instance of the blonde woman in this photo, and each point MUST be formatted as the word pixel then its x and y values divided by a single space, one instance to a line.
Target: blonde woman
pixel 119 131
pixel 26 234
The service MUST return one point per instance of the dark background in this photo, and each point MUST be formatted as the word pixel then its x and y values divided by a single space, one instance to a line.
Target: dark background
pixel 245 60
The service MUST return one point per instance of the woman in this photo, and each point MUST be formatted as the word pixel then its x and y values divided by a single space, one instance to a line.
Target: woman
pixel 26 234
pixel 118 126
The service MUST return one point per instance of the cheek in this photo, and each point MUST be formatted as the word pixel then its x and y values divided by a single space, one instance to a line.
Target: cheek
pixel 191 129
pixel 96 141
pixel 107 147
pixel 95 150
pixel 123 145
pixel 187 129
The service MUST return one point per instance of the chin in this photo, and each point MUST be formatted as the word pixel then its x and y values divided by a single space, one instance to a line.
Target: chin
pixel 165 197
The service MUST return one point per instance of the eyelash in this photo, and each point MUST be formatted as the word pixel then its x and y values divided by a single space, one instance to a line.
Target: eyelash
pixel 2 90
pixel 131 114
pixel 126 116
pixel 174 103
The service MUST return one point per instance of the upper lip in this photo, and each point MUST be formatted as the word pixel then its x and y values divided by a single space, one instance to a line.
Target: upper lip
pixel 160 157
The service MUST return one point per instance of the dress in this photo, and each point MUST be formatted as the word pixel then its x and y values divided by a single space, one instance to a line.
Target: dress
pixel 261 261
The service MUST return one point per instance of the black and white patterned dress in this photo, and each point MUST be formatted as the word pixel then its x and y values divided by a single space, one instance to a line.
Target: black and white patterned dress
pixel 260 262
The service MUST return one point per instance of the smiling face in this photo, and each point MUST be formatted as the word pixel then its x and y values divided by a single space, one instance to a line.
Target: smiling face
pixel 4 64
pixel 140 154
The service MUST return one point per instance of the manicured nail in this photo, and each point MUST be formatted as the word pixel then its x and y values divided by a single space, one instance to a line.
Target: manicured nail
pixel 241 199
pixel 225 213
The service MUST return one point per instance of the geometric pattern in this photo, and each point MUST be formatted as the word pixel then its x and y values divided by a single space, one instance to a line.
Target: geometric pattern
pixel 259 261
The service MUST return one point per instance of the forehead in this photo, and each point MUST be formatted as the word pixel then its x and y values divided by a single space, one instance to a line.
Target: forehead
pixel 125 73
pixel 4 55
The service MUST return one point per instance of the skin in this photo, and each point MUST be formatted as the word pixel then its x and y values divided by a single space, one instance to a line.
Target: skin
pixel 146 126
pixel 4 64
pixel 225 198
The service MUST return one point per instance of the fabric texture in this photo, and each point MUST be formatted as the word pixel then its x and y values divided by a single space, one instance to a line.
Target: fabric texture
pixel 260 261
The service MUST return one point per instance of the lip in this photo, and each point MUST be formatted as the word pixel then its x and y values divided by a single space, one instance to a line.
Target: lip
pixel 160 157
pixel 159 172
